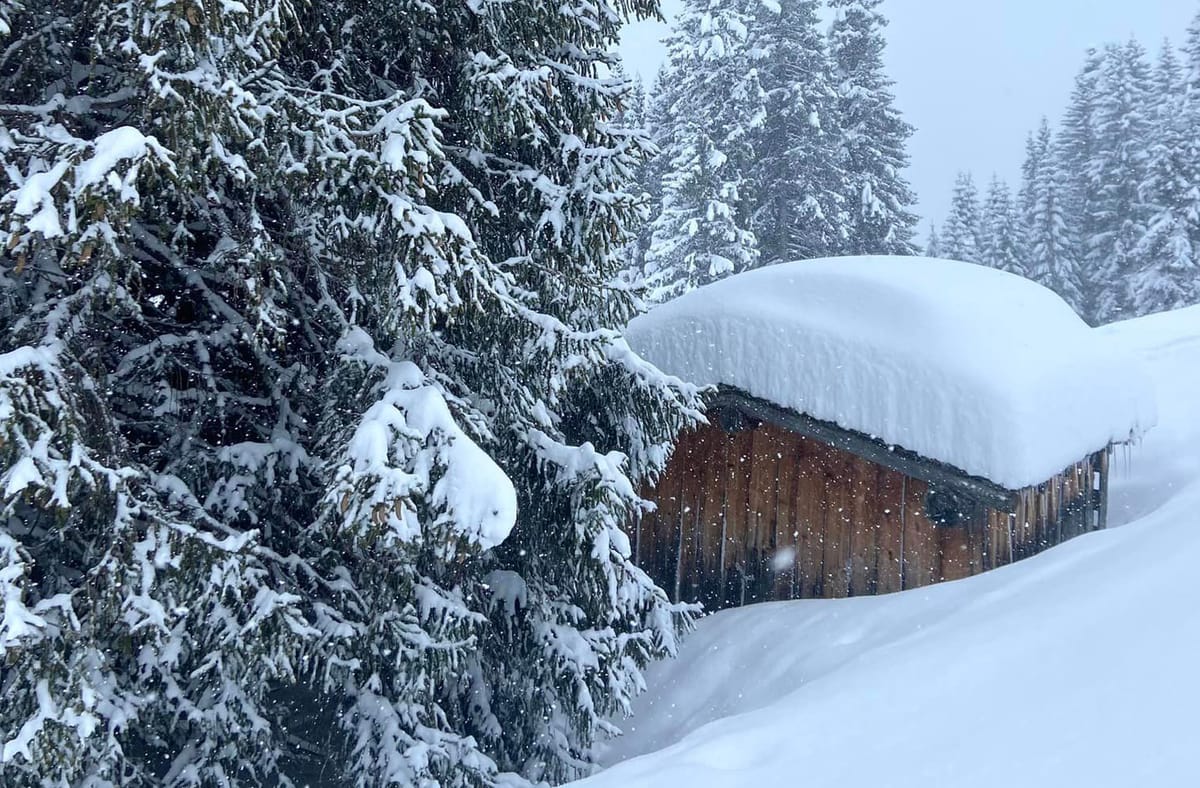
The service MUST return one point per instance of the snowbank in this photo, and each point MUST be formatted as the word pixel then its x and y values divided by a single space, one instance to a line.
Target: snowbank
pixel 1157 335
pixel 1074 667
pixel 1168 458
pixel 975 367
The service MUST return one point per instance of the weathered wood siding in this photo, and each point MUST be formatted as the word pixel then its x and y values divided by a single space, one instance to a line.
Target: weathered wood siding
pixel 764 513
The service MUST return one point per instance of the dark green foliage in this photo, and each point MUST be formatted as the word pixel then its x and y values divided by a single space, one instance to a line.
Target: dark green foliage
pixel 317 429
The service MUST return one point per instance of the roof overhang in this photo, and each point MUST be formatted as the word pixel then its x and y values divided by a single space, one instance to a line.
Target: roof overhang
pixel 735 403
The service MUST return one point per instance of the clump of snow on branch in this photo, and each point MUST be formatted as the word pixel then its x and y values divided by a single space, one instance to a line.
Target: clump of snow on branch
pixel 408 445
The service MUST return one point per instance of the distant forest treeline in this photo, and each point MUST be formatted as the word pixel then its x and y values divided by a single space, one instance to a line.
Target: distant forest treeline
pixel 1108 209
pixel 780 141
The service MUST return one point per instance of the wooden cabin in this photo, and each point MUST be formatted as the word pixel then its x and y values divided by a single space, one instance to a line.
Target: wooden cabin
pixel 773 500
pixel 764 503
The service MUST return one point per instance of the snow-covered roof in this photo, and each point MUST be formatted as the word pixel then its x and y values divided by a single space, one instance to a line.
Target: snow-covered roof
pixel 971 366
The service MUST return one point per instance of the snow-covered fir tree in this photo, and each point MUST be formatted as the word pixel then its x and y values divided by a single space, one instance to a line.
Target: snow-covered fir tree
pixel 1037 148
pixel 1191 62
pixel 653 277
pixel 1001 235
pixel 1052 256
pixel 758 113
pixel 1169 275
pixel 1029 166
pixel 960 231
pixel 1166 85
pixel 1118 166
pixel 1122 170
pixel 634 107
pixel 873 136
pixel 1169 252
pixel 702 230
pixel 933 244
pixel 799 183
pixel 319 431
pixel 1076 147
pixel 633 103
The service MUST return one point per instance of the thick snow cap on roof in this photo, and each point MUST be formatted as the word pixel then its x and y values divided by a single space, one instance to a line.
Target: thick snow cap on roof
pixel 971 366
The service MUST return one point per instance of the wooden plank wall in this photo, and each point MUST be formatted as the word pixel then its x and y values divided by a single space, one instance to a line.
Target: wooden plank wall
pixel 765 514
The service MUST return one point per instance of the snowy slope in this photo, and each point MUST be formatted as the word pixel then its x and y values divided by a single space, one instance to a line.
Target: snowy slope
pixel 969 365
pixel 1075 667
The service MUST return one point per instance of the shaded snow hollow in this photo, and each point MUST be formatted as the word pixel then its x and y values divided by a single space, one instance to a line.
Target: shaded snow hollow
pixel 1074 667
pixel 975 367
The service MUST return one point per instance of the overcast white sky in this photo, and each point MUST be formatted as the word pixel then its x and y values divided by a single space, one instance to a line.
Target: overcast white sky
pixel 974 76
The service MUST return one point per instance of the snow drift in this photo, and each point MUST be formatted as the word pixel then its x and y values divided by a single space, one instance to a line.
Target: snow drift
pixel 975 367
pixel 1074 667
pixel 1168 458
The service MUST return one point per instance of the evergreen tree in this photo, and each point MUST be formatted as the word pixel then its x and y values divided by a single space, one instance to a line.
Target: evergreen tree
pixel 1166 87
pixel 634 109
pixel 1118 167
pixel 1107 210
pixel 933 246
pixel 1191 64
pixel 1169 252
pixel 960 232
pixel 703 228
pixel 1076 149
pixel 633 104
pixel 1002 230
pixel 319 430
pixel 1038 149
pixel 1052 258
pixel 1169 275
pixel 798 181
pixel 1025 198
pixel 878 200
pixel 655 276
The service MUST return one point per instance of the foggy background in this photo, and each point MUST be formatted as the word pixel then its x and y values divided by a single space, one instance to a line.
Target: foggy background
pixel 974 77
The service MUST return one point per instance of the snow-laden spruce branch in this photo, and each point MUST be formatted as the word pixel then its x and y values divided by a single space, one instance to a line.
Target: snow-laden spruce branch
pixel 312 362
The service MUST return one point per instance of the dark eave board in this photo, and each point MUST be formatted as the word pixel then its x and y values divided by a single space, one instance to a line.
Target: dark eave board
pixel 732 403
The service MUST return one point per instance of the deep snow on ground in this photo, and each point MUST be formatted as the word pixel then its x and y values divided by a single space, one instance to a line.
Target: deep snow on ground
pixel 1168 458
pixel 1075 667
pixel 986 371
